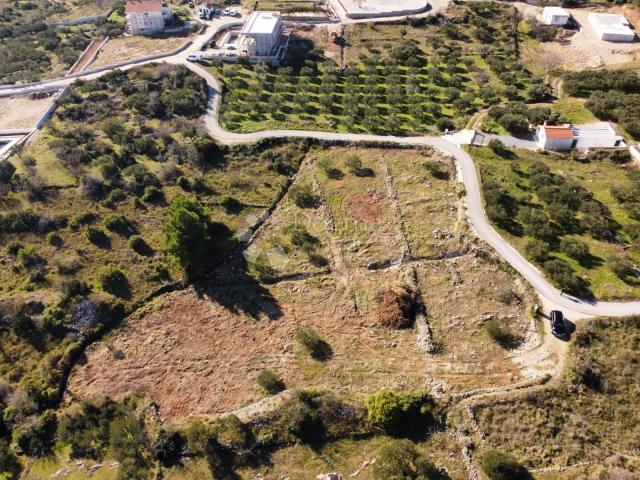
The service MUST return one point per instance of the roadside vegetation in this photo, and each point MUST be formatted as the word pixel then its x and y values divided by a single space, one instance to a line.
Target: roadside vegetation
pixel 424 76
pixel 222 448
pixel 612 95
pixel 33 47
pixel 574 217
pixel 590 416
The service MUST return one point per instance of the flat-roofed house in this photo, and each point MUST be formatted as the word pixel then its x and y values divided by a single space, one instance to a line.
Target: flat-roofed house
pixel 146 16
pixel 555 16
pixel 611 27
pixel 261 34
pixel 578 137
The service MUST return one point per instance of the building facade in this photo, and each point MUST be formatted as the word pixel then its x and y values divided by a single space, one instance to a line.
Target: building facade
pixel 262 33
pixel 555 16
pixel 146 16
pixel 578 137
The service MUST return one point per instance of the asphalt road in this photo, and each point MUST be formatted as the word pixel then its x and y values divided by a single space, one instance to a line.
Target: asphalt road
pixel 465 164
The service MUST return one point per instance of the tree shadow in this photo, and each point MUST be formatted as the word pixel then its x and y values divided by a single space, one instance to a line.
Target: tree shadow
pixel 229 283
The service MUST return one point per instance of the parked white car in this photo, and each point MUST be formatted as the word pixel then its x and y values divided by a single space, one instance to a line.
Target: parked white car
pixel 194 57
pixel 226 11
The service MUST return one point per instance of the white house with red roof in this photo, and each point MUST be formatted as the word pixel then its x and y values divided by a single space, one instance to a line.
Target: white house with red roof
pixel 146 16
pixel 578 137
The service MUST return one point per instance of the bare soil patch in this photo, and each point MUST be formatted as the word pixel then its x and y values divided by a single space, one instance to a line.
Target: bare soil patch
pixel 128 48
pixel 22 112
pixel 364 206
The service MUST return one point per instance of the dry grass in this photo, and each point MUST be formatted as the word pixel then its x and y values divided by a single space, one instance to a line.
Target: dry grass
pixel 202 349
pixel 127 48
pixel 573 423
pixel 21 112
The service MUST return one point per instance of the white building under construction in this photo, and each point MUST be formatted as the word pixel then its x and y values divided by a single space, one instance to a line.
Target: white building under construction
pixel 262 34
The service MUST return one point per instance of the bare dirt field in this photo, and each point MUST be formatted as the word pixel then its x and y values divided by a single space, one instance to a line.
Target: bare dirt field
pixel 199 352
pixel 21 112
pixel 128 48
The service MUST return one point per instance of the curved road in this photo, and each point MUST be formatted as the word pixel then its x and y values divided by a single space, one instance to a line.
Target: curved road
pixel 466 167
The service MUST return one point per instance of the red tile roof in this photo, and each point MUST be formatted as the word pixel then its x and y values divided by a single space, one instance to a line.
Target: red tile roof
pixel 558 132
pixel 143 6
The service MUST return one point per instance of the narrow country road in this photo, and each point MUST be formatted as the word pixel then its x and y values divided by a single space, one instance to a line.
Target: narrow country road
pixel 465 165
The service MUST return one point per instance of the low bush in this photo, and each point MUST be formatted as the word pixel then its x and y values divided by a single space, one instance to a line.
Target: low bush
pixel 314 344
pixel 167 447
pixel 270 382
pixel 303 196
pixel 501 334
pixel 120 224
pixel 96 236
pixel 621 266
pixel 502 466
pixel 6 171
pixel 400 460
pixel 138 245
pixel 28 257
pixel 400 414
pixel 54 239
pixel 113 280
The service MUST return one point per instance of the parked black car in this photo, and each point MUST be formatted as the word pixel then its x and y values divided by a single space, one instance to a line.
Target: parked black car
pixel 559 326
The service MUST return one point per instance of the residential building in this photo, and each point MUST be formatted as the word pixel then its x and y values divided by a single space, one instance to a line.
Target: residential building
pixel 578 137
pixel 146 16
pixel 555 16
pixel 262 33
pixel 611 27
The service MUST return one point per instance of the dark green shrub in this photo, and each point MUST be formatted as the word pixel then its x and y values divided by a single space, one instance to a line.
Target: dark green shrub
pixel 152 194
pixel 54 238
pixel 36 439
pixel 120 224
pixel 6 171
pixel 502 466
pixel 168 446
pixel 270 382
pixel 303 196
pixel 575 249
pixel 399 460
pixel 621 266
pixel 400 414
pixel 138 245
pixel 501 334
pixel 302 421
pixel 231 204
pixel 96 236
pixel 314 344
pixel 329 170
pixel 28 257
pixel 13 247
pixel 9 464
pixel 436 170
pixel 444 123
pixel 113 280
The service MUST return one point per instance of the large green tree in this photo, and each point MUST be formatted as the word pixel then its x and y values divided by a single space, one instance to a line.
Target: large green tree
pixel 188 236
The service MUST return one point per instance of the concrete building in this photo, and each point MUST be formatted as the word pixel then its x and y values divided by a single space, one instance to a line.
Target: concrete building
pixel 555 16
pixel 262 33
pixel 578 137
pixel 611 27
pixel 146 16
